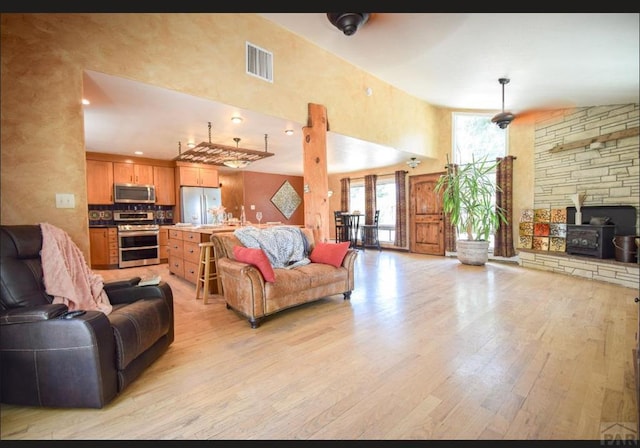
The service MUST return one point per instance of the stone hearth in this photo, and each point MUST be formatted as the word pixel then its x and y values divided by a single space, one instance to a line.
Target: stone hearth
pixel 605 270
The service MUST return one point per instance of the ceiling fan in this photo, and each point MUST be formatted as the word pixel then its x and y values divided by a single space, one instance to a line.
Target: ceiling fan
pixel 503 118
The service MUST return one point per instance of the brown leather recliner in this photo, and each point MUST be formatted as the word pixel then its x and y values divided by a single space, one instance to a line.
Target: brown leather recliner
pixel 81 362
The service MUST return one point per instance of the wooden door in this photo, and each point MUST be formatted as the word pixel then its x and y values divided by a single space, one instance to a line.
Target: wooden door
pixel 426 220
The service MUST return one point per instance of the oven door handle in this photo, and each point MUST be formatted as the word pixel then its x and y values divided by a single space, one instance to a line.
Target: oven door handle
pixel 139 233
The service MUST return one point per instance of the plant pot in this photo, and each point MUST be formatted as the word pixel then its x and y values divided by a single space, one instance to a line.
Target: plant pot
pixel 472 252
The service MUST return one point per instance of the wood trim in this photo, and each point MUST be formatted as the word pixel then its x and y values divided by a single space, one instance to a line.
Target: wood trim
pixel 602 138
pixel 195 165
pixel 119 158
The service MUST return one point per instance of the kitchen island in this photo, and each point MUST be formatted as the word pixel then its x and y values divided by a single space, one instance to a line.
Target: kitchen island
pixel 184 252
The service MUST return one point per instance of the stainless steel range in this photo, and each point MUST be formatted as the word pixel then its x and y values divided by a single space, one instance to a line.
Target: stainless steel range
pixel 138 238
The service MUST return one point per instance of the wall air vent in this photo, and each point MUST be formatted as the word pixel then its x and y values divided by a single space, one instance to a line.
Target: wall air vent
pixel 259 62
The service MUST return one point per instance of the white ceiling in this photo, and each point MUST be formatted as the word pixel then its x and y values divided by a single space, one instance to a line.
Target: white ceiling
pixel 447 59
pixel 126 116
pixel 455 59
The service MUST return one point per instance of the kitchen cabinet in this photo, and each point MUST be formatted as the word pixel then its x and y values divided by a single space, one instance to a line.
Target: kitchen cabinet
pixel 132 173
pixel 103 247
pixel 164 180
pixel 176 245
pixel 163 241
pixel 191 254
pixel 184 255
pixel 192 176
pixel 99 182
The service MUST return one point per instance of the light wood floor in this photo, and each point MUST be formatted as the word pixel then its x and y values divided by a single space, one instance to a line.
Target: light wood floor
pixel 426 348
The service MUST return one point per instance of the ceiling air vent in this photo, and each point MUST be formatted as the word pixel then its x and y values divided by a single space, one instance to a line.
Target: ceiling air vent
pixel 259 62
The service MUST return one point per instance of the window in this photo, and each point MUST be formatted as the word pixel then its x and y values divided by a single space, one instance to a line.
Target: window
pixel 475 136
pixel 356 195
pixel 385 202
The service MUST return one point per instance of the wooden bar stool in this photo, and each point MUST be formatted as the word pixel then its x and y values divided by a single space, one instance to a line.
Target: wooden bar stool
pixel 207 271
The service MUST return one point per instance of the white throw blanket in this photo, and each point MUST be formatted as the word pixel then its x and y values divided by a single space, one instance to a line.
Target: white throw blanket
pixel 285 246
pixel 67 277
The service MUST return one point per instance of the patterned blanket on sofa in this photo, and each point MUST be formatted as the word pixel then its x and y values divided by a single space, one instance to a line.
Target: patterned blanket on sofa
pixel 285 246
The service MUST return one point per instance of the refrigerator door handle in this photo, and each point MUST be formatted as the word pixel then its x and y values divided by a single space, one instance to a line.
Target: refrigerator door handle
pixel 205 219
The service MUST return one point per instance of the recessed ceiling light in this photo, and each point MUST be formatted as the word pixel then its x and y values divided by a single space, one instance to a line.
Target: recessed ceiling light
pixel 191 145
pixel 289 132
pixel 138 152
pixel 85 101
pixel 236 119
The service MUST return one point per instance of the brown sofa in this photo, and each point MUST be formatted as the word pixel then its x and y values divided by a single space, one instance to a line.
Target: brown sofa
pixel 246 291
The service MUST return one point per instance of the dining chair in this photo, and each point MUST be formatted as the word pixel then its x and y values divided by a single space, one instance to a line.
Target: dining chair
pixel 341 226
pixel 369 233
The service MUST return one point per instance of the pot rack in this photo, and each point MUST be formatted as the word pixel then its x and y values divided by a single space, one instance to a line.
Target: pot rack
pixel 217 154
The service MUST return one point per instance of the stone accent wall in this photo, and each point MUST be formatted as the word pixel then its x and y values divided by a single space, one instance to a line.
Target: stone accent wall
pixel 608 176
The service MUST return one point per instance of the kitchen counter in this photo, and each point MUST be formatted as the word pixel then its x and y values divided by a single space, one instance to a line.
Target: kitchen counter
pixel 209 229
pixel 204 229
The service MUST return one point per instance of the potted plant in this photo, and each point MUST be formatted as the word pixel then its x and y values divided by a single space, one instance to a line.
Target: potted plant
pixel 468 194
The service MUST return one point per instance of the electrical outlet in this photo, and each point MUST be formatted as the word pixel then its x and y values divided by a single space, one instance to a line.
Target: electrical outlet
pixel 253 207
pixel 65 200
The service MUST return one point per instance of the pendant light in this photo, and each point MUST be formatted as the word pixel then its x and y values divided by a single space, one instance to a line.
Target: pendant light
pixel 236 163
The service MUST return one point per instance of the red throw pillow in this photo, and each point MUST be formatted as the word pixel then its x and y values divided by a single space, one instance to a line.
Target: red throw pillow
pixel 257 258
pixel 329 253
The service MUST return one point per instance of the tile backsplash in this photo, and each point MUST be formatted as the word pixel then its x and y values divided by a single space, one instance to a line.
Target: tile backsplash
pixel 102 215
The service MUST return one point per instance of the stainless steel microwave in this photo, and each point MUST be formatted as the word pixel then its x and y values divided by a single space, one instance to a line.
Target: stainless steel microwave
pixel 133 193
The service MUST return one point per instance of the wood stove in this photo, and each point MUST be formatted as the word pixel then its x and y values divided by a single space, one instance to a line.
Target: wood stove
pixel 591 240
pixel 597 240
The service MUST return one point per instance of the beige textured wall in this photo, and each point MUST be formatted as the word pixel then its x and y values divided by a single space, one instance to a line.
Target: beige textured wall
pixel 44 55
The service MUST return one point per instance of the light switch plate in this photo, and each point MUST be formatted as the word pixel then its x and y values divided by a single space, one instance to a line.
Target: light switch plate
pixel 65 200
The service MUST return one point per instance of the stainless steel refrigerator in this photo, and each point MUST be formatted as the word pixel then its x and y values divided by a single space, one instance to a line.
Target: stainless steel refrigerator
pixel 195 203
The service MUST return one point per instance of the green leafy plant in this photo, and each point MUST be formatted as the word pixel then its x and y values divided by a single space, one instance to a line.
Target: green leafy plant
pixel 468 198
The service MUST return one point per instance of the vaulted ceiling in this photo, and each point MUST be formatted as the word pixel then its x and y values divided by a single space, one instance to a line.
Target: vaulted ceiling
pixel 447 59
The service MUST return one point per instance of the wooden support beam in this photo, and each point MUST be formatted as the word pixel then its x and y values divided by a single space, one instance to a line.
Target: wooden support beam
pixel 601 138
pixel 316 180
